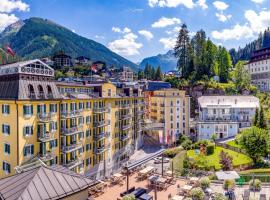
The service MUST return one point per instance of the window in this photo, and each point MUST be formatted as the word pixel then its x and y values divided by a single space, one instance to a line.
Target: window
pixel 31 92
pixel 81 106
pixel 41 109
pixel 53 108
pixel 28 130
pixel 88 147
pixel 40 91
pixel 28 150
pixel 53 126
pixel 5 109
pixel 53 144
pixel 88 161
pixel 73 106
pixel 88 119
pixel 81 135
pixel 81 121
pixel 88 105
pixel 6 148
pixel 88 133
pixel 6 129
pixel 109 92
pixel 6 167
pixel 49 90
pixel 28 110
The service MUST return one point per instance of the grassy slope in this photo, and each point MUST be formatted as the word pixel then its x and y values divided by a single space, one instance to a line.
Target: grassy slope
pixel 213 160
pixel 178 161
pixel 233 144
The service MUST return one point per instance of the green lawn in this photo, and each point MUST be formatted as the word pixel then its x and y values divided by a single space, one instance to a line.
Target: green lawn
pixel 213 160
pixel 233 144
pixel 256 171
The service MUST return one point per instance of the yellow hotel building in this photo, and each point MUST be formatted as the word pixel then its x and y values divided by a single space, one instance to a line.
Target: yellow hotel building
pixel 88 128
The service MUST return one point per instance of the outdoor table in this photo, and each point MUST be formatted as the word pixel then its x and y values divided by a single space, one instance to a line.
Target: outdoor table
pixel 177 197
pixel 147 170
pixel 187 187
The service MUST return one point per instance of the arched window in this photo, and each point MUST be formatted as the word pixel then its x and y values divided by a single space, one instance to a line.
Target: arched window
pixel 40 91
pixel 31 91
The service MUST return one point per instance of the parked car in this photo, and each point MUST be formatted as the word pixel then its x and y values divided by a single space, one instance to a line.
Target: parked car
pixel 158 160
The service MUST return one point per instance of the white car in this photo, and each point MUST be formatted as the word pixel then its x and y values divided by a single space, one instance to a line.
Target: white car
pixel 158 160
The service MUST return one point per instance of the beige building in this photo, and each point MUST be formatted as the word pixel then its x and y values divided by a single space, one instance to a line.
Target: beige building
pixel 168 114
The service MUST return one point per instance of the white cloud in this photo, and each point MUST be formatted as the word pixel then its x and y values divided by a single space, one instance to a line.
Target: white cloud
pixel 258 22
pixel 202 4
pixel 168 43
pixel 220 5
pixel 175 3
pixel 118 30
pixel 222 17
pixel 237 32
pixel 8 6
pixel 258 1
pixel 147 34
pixel 174 30
pixel 164 22
pixel 100 37
pixel 127 45
pixel 6 19
pixel 171 3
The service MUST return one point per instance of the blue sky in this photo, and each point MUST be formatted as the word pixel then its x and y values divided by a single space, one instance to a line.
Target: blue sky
pixel 137 29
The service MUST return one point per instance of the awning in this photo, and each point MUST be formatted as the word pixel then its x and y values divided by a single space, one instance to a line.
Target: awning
pixel 227 175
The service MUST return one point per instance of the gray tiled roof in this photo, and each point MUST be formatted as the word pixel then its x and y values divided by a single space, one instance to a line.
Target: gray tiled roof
pixel 43 183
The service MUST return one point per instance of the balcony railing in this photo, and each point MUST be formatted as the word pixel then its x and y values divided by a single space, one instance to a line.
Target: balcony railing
pixel 72 130
pixel 100 136
pixel 125 116
pixel 100 109
pixel 125 106
pixel 100 150
pixel 74 162
pixel 126 127
pixel 124 137
pixel 72 147
pixel 74 113
pixel 46 156
pixel 101 123
pixel 45 117
pixel 44 137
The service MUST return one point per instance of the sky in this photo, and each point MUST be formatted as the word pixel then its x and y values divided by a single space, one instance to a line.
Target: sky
pixel 136 29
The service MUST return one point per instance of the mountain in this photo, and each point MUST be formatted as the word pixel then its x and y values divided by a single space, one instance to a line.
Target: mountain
pixel 263 41
pixel 37 38
pixel 166 61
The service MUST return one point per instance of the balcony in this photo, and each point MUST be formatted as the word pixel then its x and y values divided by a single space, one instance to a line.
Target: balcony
pixel 72 130
pixel 74 162
pixel 45 117
pixel 100 150
pixel 124 137
pixel 100 110
pixel 100 136
pixel 125 116
pixel 46 156
pixel 72 147
pixel 101 123
pixel 125 106
pixel 140 112
pixel 126 127
pixel 71 114
pixel 45 137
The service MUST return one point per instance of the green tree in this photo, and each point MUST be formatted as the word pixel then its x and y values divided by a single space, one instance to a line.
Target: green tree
pixel 225 160
pixel 58 74
pixel 158 75
pixel 182 51
pixel 140 75
pixel 153 73
pixel 197 194
pixel 241 77
pixel 147 71
pixel 255 141
pixel 129 197
pixel 256 117
pixel 261 122
pixel 224 63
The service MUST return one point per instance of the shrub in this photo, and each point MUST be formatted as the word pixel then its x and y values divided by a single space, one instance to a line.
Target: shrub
pixel 205 182
pixel 219 196
pixel 172 152
pixel 129 197
pixel 197 194
pixel 187 144
pixel 210 148
pixel 255 185
pixel 198 144
pixel 228 184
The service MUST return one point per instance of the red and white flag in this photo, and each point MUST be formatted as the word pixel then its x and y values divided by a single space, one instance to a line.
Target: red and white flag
pixel 94 68
pixel 10 51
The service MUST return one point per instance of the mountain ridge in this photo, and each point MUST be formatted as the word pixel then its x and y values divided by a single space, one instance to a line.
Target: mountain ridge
pixel 37 38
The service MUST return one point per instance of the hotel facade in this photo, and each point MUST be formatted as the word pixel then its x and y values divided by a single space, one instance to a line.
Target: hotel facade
pixel 88 128
pixel 224 116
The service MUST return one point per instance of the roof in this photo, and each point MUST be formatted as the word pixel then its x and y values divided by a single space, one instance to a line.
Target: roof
pixel 43 183
pixel 157 85
pixel 229 101
pixel 227 175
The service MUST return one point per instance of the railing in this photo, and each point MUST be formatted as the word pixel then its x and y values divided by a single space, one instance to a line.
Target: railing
pixel 46 156
pixel 74 162
pixel 125 116
pixel 99 150
pixel 43 137
pixel 125 127
pixel 74 113
pixel 32 95
pixel 72 130
pixel 45 117
pixel 41 95
pixel 100 136
pixel 125 106
pixel 101 123
pixel 72 147
pixel 100 109
pixel 124 137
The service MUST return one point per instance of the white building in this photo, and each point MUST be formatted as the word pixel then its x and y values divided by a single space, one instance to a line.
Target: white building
pixel 225 115
pixel 259 69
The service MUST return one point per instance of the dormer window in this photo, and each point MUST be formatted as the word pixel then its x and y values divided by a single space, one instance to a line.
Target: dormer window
pixel 40 91
pixel 31 92
pixel 49 91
